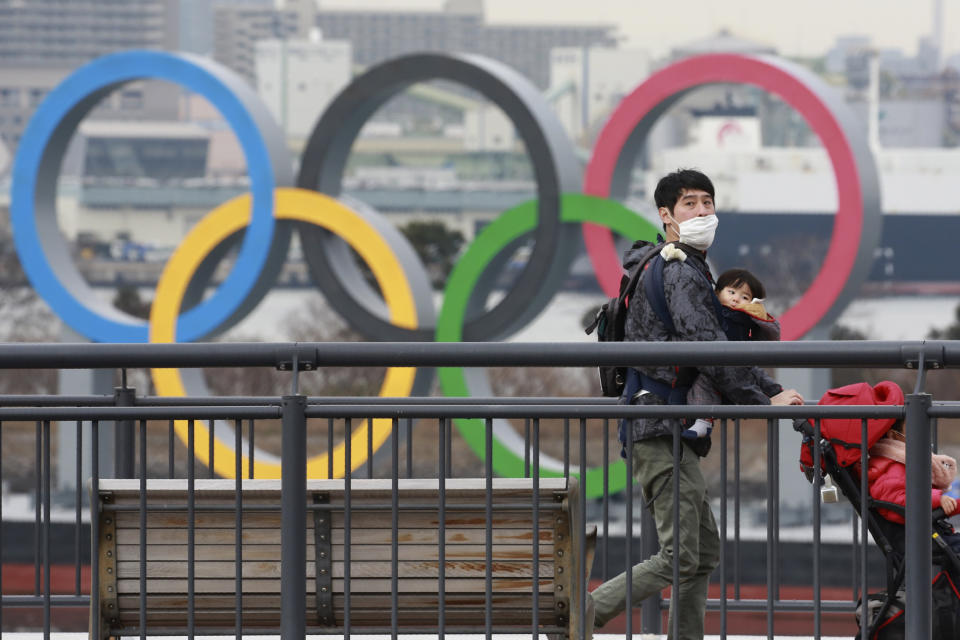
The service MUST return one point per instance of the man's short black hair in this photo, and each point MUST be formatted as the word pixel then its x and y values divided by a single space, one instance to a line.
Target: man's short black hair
pixel 673 184
pixel 736 277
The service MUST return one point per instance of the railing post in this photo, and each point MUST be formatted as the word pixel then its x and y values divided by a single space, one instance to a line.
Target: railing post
pixel 919 544
pixel 123 455
pixel 651 614
pixel 293 527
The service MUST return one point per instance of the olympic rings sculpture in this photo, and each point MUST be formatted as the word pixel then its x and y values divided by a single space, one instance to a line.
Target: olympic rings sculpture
pixel 329 226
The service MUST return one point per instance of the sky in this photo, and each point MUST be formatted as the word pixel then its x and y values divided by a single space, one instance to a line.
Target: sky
pixel 803 28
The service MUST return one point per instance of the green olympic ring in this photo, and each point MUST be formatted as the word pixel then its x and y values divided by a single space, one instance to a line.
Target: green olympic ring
pixel 509 226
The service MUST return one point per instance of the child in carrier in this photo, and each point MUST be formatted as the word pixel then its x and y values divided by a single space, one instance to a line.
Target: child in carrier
pixel 745 318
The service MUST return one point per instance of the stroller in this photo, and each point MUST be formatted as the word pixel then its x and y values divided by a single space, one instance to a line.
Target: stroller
pixel 840 454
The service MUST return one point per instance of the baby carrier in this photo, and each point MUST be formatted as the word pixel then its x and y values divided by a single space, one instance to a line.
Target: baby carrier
pixel 840 446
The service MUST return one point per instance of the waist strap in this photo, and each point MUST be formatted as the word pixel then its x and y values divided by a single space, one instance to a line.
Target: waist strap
pixel 638 381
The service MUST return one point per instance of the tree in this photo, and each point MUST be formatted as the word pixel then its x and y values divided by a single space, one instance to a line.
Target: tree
pixel 843 332
pixel 128 300
pixel 24 317
pixel 437 247
pixel 842 376
pixel 315 322
pixel 950 332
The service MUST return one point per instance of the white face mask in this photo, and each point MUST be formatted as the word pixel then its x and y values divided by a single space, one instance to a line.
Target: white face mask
pixel 698 232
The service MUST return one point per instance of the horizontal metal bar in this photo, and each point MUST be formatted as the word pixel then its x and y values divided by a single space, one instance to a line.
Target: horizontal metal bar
pixel 810 353
pixel 472 401
pixel 827 606
pixel 40 601
pixel 57 401
pixel 944 410
pixel 216 401
pixel 136 413
pixel 601 411
pixel 522 630
pixel 813 353
pixel 469 506
pixel 208 401
pixel 112 356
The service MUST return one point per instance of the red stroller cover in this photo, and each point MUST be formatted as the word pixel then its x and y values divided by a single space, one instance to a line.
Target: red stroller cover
pixel 845 433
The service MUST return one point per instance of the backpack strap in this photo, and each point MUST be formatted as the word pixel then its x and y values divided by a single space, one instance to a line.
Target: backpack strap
pixel 628 282
pixel 675 393
pixel 653 287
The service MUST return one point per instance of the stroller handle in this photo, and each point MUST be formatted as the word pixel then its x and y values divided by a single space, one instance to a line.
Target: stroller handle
pixel 803 426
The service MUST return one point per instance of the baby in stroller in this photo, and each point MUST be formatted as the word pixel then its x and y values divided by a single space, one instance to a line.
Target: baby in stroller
pixel 887 478
pixel 840 444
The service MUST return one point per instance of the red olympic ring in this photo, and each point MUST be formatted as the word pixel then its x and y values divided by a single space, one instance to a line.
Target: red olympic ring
pixel 650 99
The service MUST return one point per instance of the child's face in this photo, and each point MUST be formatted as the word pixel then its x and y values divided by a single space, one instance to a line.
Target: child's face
pixel 735 296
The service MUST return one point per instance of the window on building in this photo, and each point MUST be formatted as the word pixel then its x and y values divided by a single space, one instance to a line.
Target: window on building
pixel 131 99
pixel 36 96
pixel 9 97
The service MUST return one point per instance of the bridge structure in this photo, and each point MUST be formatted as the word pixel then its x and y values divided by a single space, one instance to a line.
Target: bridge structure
pixel 65 575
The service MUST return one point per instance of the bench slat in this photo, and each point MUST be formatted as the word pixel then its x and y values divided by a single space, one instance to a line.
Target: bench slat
pixel 358 585
pixel 358 520
pixel 376 490
pixel 359 618
pixel 358 569
pixel 362 536
pixel 358 601
pixel 370 552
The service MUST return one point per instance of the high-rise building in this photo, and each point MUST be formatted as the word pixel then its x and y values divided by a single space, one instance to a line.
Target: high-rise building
pixel 196 22
pixel 298 78
pixel 64 33
pixel 41 41
pixel 527 47
pixel 586 83
pixel 379 35
pixel 238 28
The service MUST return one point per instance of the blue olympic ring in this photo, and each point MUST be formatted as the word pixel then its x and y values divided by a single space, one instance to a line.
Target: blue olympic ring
pixel 41 247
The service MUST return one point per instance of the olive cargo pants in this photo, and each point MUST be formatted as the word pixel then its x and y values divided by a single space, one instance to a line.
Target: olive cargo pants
pixel 699 542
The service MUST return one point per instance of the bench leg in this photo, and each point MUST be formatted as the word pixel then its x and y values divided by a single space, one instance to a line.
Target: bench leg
pixel 573 630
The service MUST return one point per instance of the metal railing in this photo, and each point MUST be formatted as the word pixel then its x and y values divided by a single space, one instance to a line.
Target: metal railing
pixel 131 415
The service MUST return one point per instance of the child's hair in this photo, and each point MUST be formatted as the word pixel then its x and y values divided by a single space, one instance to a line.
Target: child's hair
pixel 737 277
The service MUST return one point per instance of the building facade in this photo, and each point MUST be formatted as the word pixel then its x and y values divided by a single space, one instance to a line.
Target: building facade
pixel 237 29
pixel 42 41
pixel 297 79
pixel 380 35
pixel 586 83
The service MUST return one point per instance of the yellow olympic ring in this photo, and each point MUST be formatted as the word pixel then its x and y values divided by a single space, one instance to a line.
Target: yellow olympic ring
pixel 298 205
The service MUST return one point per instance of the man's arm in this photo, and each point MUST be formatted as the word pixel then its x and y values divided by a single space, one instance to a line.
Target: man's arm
pixel 766 383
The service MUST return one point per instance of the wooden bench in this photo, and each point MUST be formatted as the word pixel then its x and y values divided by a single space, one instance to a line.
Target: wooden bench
pixel 119 551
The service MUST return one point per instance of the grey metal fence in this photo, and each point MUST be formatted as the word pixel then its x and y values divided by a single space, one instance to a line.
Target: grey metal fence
pixel 137 420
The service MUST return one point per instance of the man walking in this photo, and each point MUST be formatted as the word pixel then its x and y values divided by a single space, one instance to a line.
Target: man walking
pixel 685 203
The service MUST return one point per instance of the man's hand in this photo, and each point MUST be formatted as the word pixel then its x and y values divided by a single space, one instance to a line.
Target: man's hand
pixel 948 504
pixel 787 396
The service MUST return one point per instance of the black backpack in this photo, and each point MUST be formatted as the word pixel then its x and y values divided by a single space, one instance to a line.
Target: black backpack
pixel 609 325
pixel 611 317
